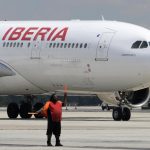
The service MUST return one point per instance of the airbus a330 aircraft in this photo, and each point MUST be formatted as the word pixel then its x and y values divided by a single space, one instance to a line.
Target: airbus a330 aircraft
pixel 107 58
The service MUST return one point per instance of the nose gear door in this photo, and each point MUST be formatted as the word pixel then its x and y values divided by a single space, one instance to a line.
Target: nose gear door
pixel 103 46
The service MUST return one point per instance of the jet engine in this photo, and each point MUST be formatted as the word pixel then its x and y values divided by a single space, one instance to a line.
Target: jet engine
pixel 121 98
pixel 134 98
pixel 130 98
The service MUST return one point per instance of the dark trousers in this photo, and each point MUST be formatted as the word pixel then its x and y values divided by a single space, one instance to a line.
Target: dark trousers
pixel 54 128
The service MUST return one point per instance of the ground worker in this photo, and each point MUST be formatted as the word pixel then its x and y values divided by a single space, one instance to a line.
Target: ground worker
pixel 52 110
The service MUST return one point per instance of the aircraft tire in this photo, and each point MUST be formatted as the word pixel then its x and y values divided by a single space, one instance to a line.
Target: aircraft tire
pixel 126 114
pixel 24 109
pixel 13 110
pixel 117 113
pixel 36 107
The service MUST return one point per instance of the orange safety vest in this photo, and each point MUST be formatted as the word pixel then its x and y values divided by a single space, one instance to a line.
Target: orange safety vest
pixel 55 108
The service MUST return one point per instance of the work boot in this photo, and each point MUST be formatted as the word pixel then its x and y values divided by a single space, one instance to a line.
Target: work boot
pixel 49 143
pixel 49 140
pixel 58 142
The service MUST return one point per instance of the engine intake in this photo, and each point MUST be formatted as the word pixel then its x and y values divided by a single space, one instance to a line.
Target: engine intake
pixel 135 98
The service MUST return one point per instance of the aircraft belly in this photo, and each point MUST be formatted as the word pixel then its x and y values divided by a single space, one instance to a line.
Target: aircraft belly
pixel 84 76
pixel 113 76
pixel 53 76
pixel 72 74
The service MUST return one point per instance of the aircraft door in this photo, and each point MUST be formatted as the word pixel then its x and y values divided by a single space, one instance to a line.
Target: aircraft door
pixel 35 50
pixel 103 46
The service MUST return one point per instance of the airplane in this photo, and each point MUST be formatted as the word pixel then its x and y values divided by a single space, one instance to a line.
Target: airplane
pixel 110 59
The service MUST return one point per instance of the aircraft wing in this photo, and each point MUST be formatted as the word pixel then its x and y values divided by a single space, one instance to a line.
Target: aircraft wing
pixel 5 71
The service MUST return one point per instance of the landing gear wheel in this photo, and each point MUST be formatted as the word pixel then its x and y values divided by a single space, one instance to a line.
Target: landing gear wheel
pixel 24 109
pixel 117 114
pixel 126 114
pixel 36 107
pixel 12 110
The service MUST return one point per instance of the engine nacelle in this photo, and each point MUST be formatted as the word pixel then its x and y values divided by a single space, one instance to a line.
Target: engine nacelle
pixel 131 98
pixel 135 98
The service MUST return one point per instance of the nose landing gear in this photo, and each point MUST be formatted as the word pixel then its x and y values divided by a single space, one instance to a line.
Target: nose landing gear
pixel 121 113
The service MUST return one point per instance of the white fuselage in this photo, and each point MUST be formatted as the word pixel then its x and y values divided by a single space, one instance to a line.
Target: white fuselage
pixel 86 56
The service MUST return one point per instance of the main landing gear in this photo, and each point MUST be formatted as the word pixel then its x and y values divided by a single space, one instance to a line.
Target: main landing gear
pixel 13 109
pixel 121 113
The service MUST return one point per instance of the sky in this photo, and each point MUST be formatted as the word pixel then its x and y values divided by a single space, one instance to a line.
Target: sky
pixel 132 11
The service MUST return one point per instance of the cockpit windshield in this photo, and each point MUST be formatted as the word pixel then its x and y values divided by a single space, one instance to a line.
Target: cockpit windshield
pixel 136 44
pixel 140 44
pixel 144 44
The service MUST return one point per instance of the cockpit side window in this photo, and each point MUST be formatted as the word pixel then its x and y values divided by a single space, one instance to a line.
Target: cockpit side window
pixel 144 44
pixel 136 44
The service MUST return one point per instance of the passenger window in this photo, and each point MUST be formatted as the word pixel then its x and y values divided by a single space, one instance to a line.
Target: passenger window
pixel 80 45
pixel 144 44
pixel 11 44
pixel 54 44
pixel 85 45
pixel 21 45
pixel 136 44
pixel 69 45
pixel 28 44
pixel 18 44
pixel 72 45
pixel 65 45
pixel 14 45
pixel 4 44
pixel 50 45
pixel 7 44
pixel 77 45
pixel 57 45
pixel 61 45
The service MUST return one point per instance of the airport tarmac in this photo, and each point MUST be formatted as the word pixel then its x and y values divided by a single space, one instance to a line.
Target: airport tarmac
pixel 82 129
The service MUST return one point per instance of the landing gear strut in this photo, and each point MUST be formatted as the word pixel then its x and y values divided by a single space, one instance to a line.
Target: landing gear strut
pixel 120 113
